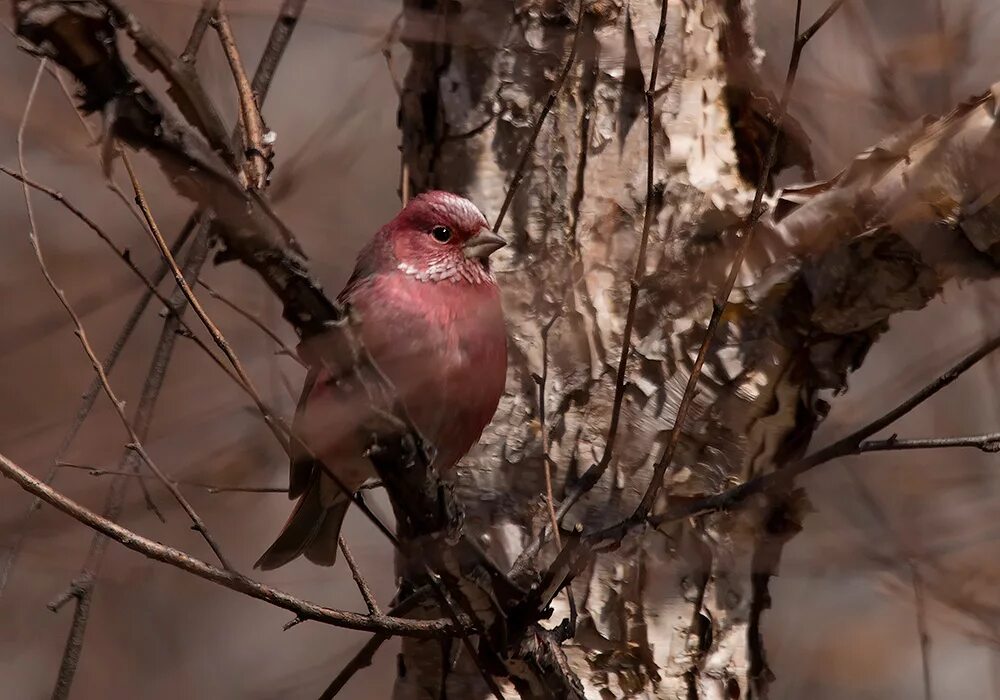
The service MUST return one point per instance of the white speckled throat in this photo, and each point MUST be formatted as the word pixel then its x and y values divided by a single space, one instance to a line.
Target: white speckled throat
pixel 449 267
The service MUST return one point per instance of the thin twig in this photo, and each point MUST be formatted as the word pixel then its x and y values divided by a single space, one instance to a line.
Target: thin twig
pixel 720 305
pixel 210 488
pixel 847 446
pixel 366 654
pixel 197 36
pixel 82 587
pixel 925 639
pixel 284 349
pixel 869 501
pixel 94 390
pixel 596 471
pixel 363 587
pixel 79 331
pixel 229 579
pixel 256 151
pixel 990 442
pixel 522 164
pixel 363 659
pixel 281 32
pixel 390 38
pixel 546 459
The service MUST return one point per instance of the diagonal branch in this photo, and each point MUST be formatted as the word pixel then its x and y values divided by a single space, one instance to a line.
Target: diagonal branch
pixel 82 587
pixel 847 446
pixel 522 164
pixel 722 302
pixel 256 152
pixel 200 223
pixel 283 348
pixel 596 471
pixel 363 587
pixel 119 406
pixel 228 579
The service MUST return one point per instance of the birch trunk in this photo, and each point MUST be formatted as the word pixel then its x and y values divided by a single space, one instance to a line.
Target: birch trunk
pixel 673 613
pixel 667 615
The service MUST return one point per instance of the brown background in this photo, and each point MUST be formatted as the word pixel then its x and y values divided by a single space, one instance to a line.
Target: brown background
pixel 843 622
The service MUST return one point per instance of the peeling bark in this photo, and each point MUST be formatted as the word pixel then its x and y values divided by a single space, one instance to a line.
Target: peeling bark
pixel 673 613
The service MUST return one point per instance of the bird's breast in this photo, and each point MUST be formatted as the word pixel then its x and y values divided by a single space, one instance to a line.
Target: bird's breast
pixel 443 345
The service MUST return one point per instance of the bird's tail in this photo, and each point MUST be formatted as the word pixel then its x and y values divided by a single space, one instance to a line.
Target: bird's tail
pixel 312 529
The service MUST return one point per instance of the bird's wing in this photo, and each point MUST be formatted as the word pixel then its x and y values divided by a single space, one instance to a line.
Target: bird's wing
pixel 302 464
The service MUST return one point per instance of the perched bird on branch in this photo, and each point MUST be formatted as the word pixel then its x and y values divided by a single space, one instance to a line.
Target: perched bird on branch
pixel 430 317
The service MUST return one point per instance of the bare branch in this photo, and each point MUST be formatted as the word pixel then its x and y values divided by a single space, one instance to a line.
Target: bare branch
pixel 211 488
pixel 722 302
pixel 363 587
pixel 281 32
pixel 846 446
pixel 205 14
pixel 257 151
pixel 522 164
pixel 990 442
pixel 228 579
pixel 136 443
pixel 284 349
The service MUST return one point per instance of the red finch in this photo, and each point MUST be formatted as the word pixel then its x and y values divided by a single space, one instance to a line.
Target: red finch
pixel 430 316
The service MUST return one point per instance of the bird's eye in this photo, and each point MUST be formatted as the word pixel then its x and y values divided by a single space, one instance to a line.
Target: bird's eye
pixel 442 234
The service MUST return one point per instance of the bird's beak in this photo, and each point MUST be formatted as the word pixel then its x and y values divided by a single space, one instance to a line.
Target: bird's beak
pixel 483 244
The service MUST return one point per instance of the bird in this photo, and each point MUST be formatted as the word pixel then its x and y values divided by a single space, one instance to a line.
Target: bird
pixel 429 314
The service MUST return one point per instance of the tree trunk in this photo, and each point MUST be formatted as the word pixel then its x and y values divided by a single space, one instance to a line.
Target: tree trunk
pixel 668 614
pixel 673 613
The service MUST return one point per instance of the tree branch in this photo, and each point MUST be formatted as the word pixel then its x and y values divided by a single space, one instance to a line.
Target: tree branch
pixel 228 579
pixel 136 443
pixel 257 153
pixel 211 488
pixel 425 511
pixel 847 446
pixel 363 587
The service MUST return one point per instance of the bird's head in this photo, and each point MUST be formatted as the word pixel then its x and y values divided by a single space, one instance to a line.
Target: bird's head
pixel 441 236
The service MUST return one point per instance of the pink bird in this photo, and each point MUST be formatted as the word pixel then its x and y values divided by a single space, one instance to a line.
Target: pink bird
pixel 431 318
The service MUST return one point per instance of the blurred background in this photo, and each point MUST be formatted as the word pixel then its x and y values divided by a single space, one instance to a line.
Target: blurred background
pixel 843 623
